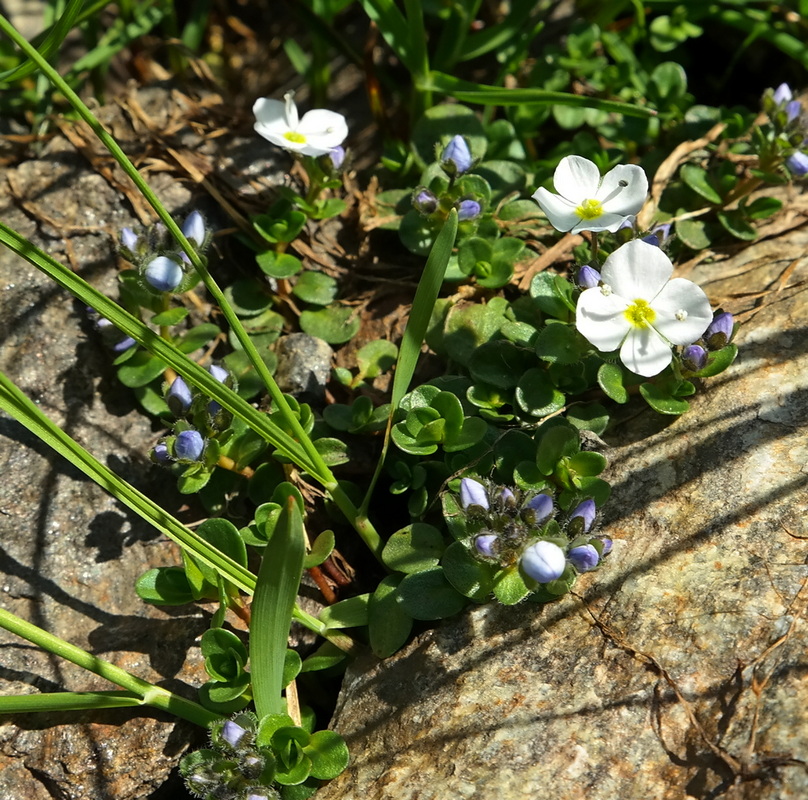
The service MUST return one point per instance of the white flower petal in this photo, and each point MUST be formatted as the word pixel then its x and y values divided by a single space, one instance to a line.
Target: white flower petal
pixel 576 178
pixel 600 319
pixel 678 295
pixel 559 211
pixel 645 352
pixel 605 222
pixel 637 270
pixel 624 200
pixel 321 122
pixel 270 112
pixel 290 110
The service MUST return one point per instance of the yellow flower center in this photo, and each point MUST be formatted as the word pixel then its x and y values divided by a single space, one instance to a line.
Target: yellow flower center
pixel 640 314
pixel 294 136
pixel 589 209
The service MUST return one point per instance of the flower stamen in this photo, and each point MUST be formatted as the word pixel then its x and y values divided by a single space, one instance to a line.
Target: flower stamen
pixel 590 209
pixel 294 136
pixel 681 315
pixel 640 314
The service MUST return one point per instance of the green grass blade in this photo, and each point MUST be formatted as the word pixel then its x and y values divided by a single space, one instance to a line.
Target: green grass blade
pixel 66 701
pixel 150 694
pixel 394 28
pixel 481 94
pixel 273 602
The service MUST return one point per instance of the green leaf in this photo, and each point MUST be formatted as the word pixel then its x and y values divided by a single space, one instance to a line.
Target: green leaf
pixel 733 222
pixel 164 586
pixel 327 655
pixel 695 233
pixel 696 178
pixel 333 451
pixel 500 363
pixel 334 324
pixel 389 625
pixel 171 317
pixel 552 294
pixel 328 753
pixel 536 395
pixel 661 401
pixel 278 265
pixel 558 442
pixel 719 361
pixel 292 664
pixel 560 344
pixel 248 297
pixel 413 549
pixel 282 228
pixel 321 549
pixel 315 288
pixel 197 337
pixel 274 599
pixel 762 207
pixel 468 575
pixel 350 613
pixel 140 369
pixel 509 587
pixel 588 417
pixel 428 595
pixel 610 379
pixel 376 357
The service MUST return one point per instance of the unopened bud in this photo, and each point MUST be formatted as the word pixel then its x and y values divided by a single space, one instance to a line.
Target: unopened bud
pixel 544 561
pixel 456 157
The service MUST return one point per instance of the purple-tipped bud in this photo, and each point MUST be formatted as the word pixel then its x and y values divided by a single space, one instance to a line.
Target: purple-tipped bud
pixel 233 733
pixel 194 228
pixel 255 796
pixel 160 454
pixel 588 277
pixel 584 511
pixel 468 209
pixel 544 561
pixel 485 545
pixel 797 164
pixel 607 545
pixel 583 558
pixel 506 496
pixel 472 493
pixel 538 509
pixel 793 110
pixel 123 345
pixel 179 397
pixel 189 446
pixel 719 331
pixel 129 239
pixel 164 274
pixel 456 157
pixel 694 358
pixel 337 156
pixel 220 373
pixel 782 94
pixel 658 235
pixel 424 201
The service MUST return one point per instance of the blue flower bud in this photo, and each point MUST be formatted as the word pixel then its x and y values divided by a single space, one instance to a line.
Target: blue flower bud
pixel 544 561
pixel 607 545
pixel 793 110
pixel 163 274
pixel 583 558
pixel 254 796
pixel 189 446
pixel 129 239
pixel 584 511
pixel 506 496
pixel 468 209
pixel 797 164
pixel 588 277
pixel 232 733
pixel 782 94
pixel 337 156
pixel 472 493
pixel 124 344
pixel 424 201
pixel 179 397
pixel 456 157
pixel 485 544
pixel 160 454
pixel 538 509
pixel 719 331
pixel 194 228
pixel 694 357
pixel 220 373
pixel 658 235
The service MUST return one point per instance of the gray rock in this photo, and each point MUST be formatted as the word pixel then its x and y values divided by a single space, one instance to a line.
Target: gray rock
pixel 677 670
pixel 304 366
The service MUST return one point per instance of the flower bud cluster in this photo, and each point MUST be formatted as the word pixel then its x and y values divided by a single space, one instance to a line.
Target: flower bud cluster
pixel 508 526
pixel 162 264
pixel 435 201
pixel 719 334
pixel 789 136
pixel 234 768
pixel 199 419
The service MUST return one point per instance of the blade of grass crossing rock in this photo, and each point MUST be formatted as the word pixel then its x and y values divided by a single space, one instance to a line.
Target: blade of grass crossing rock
pixel 275 593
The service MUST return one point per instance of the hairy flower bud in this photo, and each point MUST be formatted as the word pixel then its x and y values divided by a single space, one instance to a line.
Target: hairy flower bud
pixel 472 493
pixel 220 373
pixel 232 733
pixel 179 397
pixel 694 357
pixel 583 558
pixel 129 239
pixel 456 157
pixel 537 509
pixel 485 544
pixel 719 331
pixel 337 156
pixel 189 446
pixel 194 228
pixel 164 274
pixel 424 201
pixel 588 277
pixel 797 164
pixel 468 209
pixel 544 561
pixel 585 512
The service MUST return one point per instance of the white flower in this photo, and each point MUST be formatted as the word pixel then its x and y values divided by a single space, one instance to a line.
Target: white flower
pixel 640 310
pixel 587 202
pixel 317 133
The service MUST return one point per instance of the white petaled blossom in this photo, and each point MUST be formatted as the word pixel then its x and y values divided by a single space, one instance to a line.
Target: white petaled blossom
pixel 641 310
pixel 585 201
pixel 316 133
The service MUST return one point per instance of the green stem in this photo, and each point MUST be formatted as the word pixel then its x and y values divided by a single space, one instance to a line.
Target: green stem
pixel 66 701
pixel 319 469
pixel 150 694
